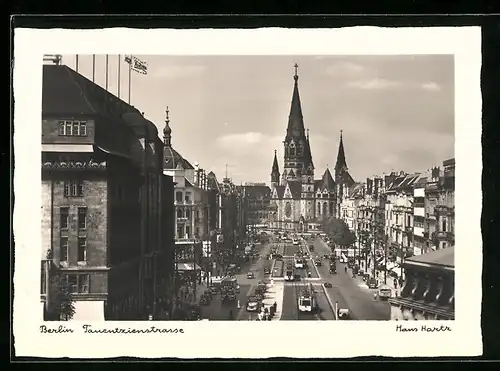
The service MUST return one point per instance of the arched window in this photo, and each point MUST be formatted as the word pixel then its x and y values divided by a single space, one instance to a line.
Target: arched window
pixel 325 208
pixel 331 208
pixel 319 208
pixel 292 149
pixel 179 213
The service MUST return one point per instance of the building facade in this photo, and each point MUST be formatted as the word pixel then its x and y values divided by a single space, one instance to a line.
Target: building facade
pixel 100 178
pixel 298 201
pixel 257 203
pixel 429 289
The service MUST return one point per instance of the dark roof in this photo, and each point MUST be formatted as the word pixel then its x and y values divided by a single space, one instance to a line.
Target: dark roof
pixel 141 126
pixel 341 163
pixel 173 160
pixel 327 181
pixel 295 120
pixel 317 183
pixel 66 93
pixel 295 188
pixel 442 257
pixel 257 190
pixel 449 162
pixel 275 169
pixel 280 190
pixel 63 94
pixel 346 178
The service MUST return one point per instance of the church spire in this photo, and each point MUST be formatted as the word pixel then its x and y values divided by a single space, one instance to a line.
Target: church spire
pixel 167 131
pixel 295 120
pixel 341 165
pixel 275 172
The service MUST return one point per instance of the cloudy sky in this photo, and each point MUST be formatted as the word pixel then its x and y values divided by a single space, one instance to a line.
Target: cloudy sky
pixel 396 112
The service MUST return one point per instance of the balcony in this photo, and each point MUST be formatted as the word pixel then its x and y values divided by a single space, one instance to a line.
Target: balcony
pixel 182 219
pixel 447 236
pixel 184 203
pixel 443 210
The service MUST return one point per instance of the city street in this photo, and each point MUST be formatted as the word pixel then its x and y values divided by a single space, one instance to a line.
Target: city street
pixel 218 311
pixel 292 289
pixel 348 292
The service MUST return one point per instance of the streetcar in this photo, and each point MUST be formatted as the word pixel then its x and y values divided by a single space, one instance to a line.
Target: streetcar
pixel 307 299
pixel 299 263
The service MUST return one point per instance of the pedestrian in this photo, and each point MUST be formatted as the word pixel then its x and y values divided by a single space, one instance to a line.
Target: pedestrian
pixel 345 268
pixel 375 295
pixel 395 283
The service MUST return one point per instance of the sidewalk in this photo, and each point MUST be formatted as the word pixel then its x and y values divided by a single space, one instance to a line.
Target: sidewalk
pixel 275 294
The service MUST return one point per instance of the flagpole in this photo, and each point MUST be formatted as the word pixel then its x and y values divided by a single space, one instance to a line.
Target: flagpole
pixel 107 60
pixel 77 63
pixel 129 78
pixel 93 67
pixel 119 63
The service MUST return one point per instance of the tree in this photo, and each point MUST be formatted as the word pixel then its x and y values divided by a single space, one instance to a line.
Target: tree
pixel 338 231
pixel 60 304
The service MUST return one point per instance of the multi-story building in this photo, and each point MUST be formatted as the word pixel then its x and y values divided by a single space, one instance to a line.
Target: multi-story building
pixel 101 201
pixel 429 289
pixel 399 217
pixel 191 219
pixel 434 208
pixel 257 197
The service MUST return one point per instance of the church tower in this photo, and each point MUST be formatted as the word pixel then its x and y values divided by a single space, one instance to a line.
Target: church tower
pixel 341 165
pixel 275 173
pixel 297 151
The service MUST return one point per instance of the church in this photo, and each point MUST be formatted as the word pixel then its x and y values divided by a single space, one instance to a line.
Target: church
pixel 299 201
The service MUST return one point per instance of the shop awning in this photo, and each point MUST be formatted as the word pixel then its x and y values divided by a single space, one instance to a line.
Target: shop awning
pixel 188 267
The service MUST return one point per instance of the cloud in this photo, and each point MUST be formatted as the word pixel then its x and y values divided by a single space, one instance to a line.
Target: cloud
pixel 177 71
pixel 430 86
pixel 240 139
pixel 374 84
pixel 344 69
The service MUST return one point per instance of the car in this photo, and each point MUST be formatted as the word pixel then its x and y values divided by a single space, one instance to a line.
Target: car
pixel 253 304
pixel 250 275
pixel 327 285
pixel 372 283
pixel 326 256
pixel 237 288
pixel 267 271
pixel 318 263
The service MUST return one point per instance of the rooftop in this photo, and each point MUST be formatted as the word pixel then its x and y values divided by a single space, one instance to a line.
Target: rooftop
pixel 444 257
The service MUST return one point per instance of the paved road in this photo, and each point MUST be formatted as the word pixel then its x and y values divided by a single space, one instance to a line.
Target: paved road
pixel 290 295
pixel 347 292
pixel 216 311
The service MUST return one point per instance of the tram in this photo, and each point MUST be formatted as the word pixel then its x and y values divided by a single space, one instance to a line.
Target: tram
pixel 307 299
pixel 299 263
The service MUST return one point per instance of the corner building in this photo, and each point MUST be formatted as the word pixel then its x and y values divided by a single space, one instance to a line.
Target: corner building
pixel 297 199
pixel 101 201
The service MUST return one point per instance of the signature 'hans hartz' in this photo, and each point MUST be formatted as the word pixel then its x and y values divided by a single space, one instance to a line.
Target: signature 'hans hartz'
pixel 422 328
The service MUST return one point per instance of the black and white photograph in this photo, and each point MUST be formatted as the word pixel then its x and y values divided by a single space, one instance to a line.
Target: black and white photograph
pixel 182 189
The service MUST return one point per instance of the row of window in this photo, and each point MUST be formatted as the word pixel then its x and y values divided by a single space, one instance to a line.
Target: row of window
pixel 73 188
pixel 178 197
pixel 65 218
pixel 81 249
pixel 73 128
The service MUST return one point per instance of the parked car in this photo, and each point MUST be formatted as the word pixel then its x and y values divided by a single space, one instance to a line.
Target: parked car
pixel 267 271
pixel 327 285
pixel 250 275
pixel 372 283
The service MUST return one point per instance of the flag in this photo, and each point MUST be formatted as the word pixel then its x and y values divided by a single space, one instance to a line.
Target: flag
pixel 136 64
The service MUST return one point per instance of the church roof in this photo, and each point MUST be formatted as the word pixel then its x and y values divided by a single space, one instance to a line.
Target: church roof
pixel 341 162
pixel 327 181
pixel 295 188
pixel 276 169
pixel 171 158
pixel 280 190
pixel 347 179
pixel 295 119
